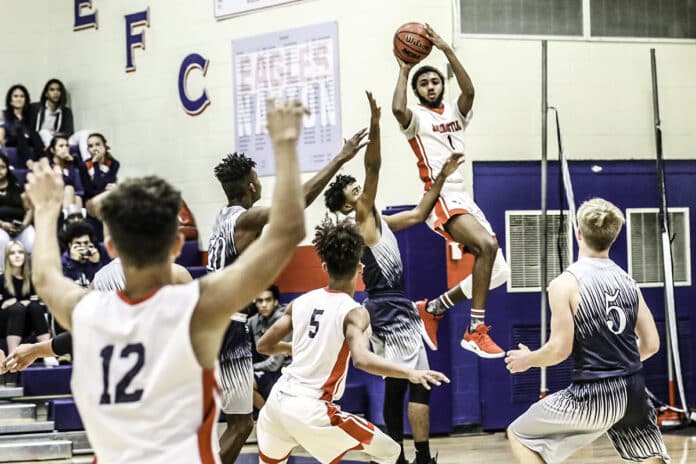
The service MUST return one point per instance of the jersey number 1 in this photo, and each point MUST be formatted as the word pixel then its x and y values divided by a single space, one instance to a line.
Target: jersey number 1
pixel 314 322
pixel 121 395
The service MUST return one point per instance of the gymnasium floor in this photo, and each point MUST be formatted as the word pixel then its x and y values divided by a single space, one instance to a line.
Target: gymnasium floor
pixel 493 449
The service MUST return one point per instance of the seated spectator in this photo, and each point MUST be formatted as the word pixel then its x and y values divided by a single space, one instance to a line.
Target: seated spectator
pixel 83 257
pixel 24 313
pixel 17 128
pixel 266 368
pixel 99 172
pixel 59 151
pixel 51 114
pixel 16 211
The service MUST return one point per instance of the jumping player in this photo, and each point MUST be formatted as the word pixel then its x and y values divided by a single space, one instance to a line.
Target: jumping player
pixel 328 327
pixel 434 130
pixel 396 328
pixel 155 400
pixel 238 225
pixel 597 313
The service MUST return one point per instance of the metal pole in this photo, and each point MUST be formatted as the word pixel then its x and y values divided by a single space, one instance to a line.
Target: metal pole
pixel 543 390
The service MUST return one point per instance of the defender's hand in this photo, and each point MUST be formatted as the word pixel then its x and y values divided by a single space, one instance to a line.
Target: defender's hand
pixel 352 146
pixel 45 185
pixel 375 111
pixel 453 162
pixel 427 378
pixel 518 360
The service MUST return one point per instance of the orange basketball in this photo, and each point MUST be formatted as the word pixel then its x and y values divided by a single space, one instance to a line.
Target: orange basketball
pixel 411 43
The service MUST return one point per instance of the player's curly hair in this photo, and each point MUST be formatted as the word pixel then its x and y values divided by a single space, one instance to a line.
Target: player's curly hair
pixel 234 173
pixel 340 246
pixel 141 215
pixel 334 197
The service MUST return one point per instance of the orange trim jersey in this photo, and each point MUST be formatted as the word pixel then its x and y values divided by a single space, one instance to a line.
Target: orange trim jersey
pixel 320 353
pixel 433 135
pixel 138 386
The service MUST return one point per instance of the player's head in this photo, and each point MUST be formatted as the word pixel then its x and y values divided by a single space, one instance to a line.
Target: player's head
pixel 268 301
pixel 339 247
pixel 238 177
pixel 342 194
pixel 600 222
pixel 54 91
pixel 141 215
pixel 429 85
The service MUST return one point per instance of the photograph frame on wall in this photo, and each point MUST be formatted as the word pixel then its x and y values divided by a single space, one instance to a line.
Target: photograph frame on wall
pixel 296 64
pixel 223 9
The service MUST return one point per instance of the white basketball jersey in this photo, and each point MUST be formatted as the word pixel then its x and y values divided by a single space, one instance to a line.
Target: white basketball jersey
pixel 320 353
pixel 138 386
pixel 433 135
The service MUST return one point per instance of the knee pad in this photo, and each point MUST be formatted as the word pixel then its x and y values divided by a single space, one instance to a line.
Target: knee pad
pixel 419 394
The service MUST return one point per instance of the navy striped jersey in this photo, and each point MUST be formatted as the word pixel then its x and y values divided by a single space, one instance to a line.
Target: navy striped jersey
pixel 222 252
pixel 221 249
pixel 605 343
pixel 384 271
pixel 110 277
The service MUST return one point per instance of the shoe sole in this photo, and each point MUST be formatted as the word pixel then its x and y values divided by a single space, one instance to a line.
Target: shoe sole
pixel 426 338
pixel 473 347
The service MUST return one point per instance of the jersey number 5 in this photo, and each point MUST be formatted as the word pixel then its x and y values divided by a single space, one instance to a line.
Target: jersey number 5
pixel 314 322
pixel 122 396
pixel 620 313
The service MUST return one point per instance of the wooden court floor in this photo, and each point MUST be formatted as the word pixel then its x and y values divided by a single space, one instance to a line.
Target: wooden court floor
pixel 493 449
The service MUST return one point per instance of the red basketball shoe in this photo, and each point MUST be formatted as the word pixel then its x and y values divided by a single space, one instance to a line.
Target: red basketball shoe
pixel 429 324
pixel 481 343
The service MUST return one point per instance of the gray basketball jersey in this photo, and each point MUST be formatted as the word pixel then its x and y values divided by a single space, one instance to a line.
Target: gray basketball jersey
pixel 221 248
pixel 605 342
pixel 110 277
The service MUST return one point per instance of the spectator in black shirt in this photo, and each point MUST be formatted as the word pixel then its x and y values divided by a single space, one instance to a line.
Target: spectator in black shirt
pixel 16 126
pixel 51 114
pixel 16 212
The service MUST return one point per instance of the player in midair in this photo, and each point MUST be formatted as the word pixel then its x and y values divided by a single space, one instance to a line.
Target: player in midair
pixel 238 225
pixel 435 129
pixel 328 328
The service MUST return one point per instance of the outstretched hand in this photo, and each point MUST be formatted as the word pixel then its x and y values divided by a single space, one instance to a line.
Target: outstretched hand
pixel 44 185
pixel 375 111
pixel 428 378
pixel 404 66
pixel 353 145
pixel 518 360
pixel 435 38
pixel 284 119
pixel 22 357
pixel 453 162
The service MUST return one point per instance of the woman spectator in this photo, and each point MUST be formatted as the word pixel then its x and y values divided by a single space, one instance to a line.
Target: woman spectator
pixel 99 172
pixel 59 151
pixel 16 128
pixel 23 310
pixel 51 114
pixel 16 212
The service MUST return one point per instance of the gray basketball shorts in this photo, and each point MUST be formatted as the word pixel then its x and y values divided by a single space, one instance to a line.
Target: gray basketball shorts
pixel 568 420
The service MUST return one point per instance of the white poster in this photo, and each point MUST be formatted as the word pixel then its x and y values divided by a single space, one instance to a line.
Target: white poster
pixel 298 64
pixel 224 8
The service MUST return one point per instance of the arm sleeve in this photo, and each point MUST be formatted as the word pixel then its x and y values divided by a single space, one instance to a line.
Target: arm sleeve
pixel 62 344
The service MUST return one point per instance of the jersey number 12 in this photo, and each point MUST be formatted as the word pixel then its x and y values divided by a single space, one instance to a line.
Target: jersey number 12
pixel 122 396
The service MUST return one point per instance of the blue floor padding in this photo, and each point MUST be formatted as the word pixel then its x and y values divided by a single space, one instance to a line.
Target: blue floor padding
pixel 63 413
pixel 41 381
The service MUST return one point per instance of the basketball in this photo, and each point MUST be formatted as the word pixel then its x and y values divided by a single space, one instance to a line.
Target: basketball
pixel 411 43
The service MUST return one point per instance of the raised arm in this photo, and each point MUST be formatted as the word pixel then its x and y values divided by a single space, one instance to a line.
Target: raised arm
pixel 356 328
pixel 399 108
pixel 225 292
pixel 419 214
pixel 45 190
pixel 272 343
pixel 563 299
pixel 364 209
pixel 466 98
pixel 648 338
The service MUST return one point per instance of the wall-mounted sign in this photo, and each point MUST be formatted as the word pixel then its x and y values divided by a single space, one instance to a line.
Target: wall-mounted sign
pixel 300 64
